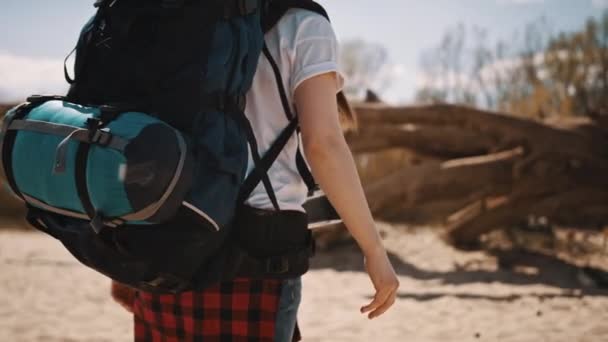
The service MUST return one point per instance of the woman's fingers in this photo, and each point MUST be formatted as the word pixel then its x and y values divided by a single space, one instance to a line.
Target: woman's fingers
pixel 385 306
pixel 373 305
pixel 380 298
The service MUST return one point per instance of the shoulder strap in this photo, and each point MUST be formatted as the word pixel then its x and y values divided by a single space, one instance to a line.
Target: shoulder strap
pixel 276 9
pixel 301 165
pixel 261 169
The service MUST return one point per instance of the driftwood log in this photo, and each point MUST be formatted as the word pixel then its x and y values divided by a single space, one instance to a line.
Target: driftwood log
pixel 473 170
pixel 478 171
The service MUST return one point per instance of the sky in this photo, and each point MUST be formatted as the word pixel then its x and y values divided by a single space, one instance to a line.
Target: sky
pixel 35 36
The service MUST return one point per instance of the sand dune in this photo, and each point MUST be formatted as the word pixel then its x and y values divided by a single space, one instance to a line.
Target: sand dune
pixel 446 295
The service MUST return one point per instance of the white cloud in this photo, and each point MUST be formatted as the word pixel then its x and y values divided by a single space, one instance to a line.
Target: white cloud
pixel 23 76
pixel 600 3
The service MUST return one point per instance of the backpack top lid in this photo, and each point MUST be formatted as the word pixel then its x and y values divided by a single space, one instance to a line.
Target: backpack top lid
pixel 276 9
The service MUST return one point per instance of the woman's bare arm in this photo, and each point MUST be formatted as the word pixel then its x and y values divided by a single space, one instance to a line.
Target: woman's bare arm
pixel 333 166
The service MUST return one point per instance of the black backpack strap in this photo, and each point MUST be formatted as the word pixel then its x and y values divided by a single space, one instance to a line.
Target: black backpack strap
pixel 274 12
pixel 97 220
pixel 261 167
pixel 305 173
pixel 279 144
pixel 301 165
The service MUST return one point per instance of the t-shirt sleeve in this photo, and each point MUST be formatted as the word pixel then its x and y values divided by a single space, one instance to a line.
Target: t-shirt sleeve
pixel 315 51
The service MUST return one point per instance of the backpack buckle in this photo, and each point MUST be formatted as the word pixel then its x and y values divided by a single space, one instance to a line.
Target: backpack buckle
pixel 101 138
pixel 97 223
pixel 97 135
pixel 93 123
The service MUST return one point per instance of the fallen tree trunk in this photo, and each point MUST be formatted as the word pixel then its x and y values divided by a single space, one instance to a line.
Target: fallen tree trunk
pixel 493 170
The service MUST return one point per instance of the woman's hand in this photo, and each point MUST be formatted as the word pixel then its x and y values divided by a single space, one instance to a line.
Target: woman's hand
pixel 123 295
pixel 385 282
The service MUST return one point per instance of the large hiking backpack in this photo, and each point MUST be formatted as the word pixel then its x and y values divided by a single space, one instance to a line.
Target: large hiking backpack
pixel 140 169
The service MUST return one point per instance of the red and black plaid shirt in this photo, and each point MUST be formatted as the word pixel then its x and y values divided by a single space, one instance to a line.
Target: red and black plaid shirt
pixel 240 310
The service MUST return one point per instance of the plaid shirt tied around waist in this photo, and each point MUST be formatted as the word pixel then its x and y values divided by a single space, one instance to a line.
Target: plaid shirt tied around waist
pixel 244 309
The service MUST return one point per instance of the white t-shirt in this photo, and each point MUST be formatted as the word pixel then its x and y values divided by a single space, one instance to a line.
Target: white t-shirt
pixel 303 45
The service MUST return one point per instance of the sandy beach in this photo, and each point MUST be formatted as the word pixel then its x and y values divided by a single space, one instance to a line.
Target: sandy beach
pixel 445 295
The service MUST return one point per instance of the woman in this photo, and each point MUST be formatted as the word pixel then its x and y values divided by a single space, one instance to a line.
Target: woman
pixel 304 46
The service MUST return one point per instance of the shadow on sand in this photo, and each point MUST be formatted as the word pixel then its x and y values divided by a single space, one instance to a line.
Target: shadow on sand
pixel 548 271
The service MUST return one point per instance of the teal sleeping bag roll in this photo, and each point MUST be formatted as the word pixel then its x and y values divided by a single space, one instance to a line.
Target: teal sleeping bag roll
pixel 96 163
